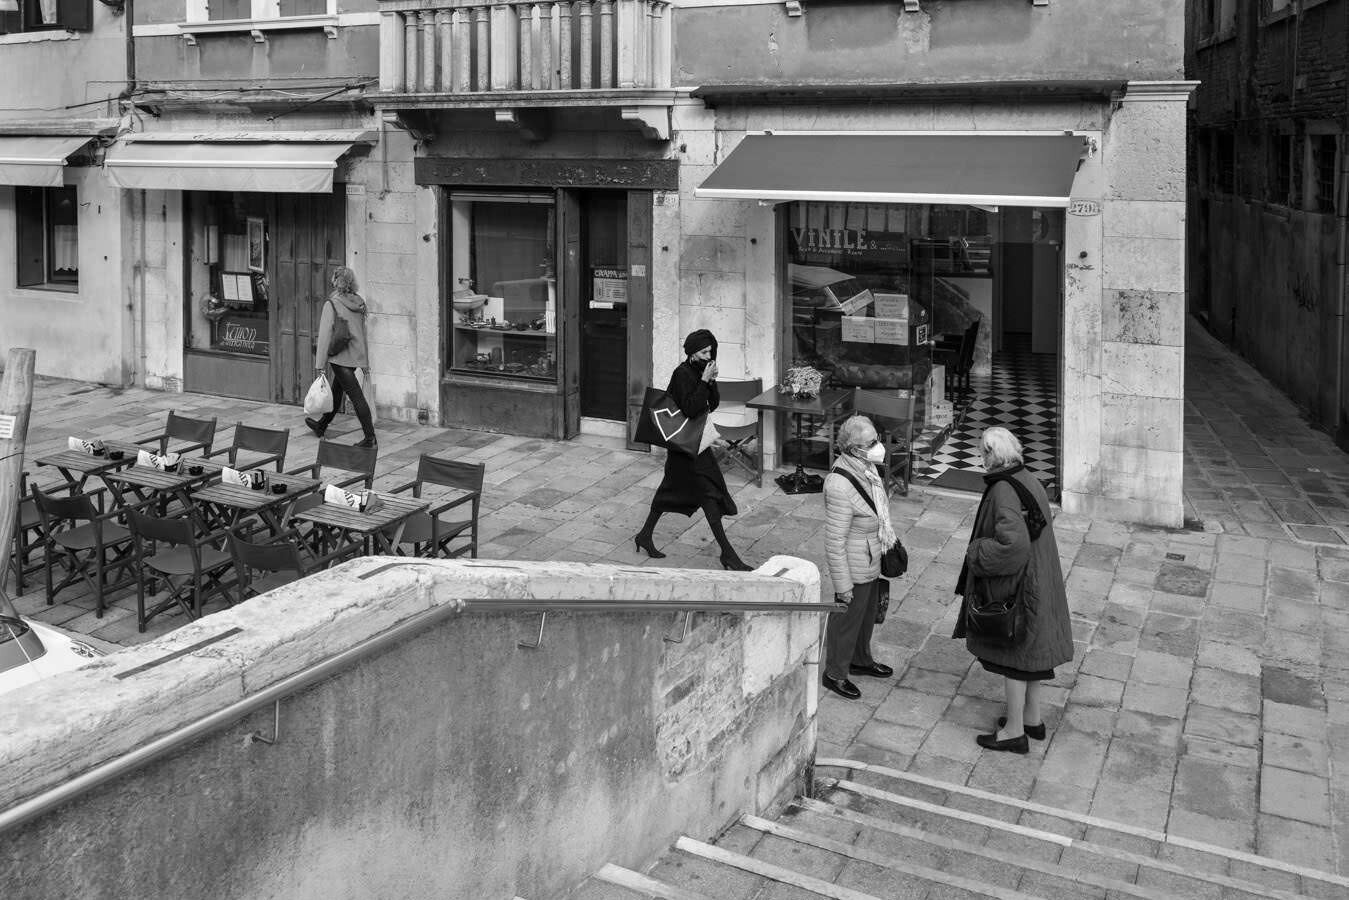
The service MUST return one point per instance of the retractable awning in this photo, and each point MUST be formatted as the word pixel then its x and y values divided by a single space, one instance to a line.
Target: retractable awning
pixel 37 161
pixel 294 167
pixel 984 169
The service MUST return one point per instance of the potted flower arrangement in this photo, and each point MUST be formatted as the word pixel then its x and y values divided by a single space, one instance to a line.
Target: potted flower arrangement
pixel 803 382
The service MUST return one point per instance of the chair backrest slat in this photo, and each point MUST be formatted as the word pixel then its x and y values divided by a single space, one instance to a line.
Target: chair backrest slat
pixel 450 473
pixel 185 428
pixel 349 458
pixel 739 391
pixel 153 528
pixel 259 440
pixel 282 556
pixel 883 406
pixel 75 508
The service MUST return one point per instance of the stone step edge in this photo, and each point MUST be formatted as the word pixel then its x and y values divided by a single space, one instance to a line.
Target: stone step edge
pixel 1160 837
pixel 849 851
pixel 1108 852
pixel 768 870
pixel 645 884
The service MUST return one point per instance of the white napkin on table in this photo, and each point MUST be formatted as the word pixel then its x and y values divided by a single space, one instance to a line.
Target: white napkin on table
pixel 234 476
pixel 362 501
pixel 82 446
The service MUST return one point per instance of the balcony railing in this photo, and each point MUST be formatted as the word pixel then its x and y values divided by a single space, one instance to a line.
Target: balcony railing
pixel 480 47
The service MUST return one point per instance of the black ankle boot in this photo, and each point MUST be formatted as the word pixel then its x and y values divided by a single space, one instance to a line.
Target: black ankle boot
pixel 644 542
pixel 729 560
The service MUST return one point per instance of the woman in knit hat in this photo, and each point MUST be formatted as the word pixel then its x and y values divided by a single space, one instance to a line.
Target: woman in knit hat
pixel 694 483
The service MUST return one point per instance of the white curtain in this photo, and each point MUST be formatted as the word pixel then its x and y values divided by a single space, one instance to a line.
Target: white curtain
pixel 48 10
pixel 236 252
pixel 65 248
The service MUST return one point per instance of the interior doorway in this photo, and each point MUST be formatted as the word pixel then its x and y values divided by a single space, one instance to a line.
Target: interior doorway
pixel 604 305
pixel 1014 377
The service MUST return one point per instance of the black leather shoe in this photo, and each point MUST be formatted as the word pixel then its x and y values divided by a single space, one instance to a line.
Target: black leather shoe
pixel 644 542
pixel 734 563
pixel 1032 731
pixel 1018 744
pixel 315 427
pixel 367 443
pixel 843 687
pixel 875 670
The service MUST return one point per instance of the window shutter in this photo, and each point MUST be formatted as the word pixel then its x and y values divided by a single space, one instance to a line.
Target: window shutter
pixel 28 214
pixel 75 15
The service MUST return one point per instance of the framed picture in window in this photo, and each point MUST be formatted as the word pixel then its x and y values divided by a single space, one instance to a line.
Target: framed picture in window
pixel 257 243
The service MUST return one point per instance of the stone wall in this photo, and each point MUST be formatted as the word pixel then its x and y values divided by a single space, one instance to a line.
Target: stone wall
pixel 453 763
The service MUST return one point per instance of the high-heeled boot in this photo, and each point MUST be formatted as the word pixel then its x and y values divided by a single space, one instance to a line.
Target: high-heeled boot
pixel 729 560
pixel 644 542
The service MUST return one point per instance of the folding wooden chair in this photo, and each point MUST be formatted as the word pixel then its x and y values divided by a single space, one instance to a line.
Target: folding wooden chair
pixel 429 534
pixel 193 569
pixel 739 439
pixel 89 544
pixel 269 441
pixel 198 433
pixel 893 418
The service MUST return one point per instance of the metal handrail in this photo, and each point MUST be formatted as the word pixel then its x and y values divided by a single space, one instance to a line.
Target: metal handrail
pixel 29 809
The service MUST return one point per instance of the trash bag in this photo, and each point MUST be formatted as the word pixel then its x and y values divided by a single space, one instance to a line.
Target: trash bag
pixel 318 400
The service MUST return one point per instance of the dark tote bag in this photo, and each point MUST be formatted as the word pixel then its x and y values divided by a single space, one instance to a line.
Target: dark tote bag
pixel 663 423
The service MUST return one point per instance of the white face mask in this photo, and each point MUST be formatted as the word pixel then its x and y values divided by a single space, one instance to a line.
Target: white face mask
pixel 874 454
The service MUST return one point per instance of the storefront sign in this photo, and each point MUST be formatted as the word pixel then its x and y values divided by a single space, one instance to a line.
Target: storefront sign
pixel 816 244
pixel 610 288
pixel 240 334
pixel 1084 208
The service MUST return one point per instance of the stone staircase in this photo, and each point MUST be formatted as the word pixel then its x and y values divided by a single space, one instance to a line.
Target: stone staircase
pixel 873 833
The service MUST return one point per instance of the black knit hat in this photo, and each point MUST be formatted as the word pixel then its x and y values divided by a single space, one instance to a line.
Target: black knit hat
pixel 698 340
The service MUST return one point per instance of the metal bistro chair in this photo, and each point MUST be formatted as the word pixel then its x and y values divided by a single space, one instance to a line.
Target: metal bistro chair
pixel 89 543
pixel 893 418
pixel 200 568
pixel 198 433
pixel 427 532
pixel 740 438
pixel 270 441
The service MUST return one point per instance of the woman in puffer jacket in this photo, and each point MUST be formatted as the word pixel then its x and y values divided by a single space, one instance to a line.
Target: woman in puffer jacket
pixel 855 537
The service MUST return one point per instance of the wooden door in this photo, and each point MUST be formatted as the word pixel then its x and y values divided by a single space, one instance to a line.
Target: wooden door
pixel 308 240
pixel 569 266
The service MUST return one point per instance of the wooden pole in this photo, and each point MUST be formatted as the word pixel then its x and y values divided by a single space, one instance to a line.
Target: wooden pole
pixel 16 401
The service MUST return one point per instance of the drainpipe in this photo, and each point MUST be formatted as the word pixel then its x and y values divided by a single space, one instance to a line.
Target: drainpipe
pixel 129 15
pixel 1341 290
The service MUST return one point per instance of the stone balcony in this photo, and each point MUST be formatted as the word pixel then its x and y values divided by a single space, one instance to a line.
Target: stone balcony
pixel 522 59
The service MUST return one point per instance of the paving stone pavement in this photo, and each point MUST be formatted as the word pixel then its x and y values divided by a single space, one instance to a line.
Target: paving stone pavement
pixel 1209 694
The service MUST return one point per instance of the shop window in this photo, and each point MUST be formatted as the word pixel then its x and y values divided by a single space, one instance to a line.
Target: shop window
pixel 228 246
pixel 254 10
pixel 47 15
pixel 501 315
pixel 47 226
pixel 1324 152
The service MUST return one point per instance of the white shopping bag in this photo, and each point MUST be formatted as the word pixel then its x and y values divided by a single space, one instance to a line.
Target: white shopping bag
pixel 319 398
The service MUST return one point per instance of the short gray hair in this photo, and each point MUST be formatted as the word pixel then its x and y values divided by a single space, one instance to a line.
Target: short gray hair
pixel 1001 448
pixel 850 432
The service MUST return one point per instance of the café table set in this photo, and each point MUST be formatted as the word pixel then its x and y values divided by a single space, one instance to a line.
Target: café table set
pixel 286 505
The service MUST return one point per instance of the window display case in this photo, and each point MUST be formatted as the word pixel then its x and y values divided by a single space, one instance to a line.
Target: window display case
pixel 502 314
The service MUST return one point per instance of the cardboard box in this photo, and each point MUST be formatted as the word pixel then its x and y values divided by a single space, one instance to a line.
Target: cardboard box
pixel 936 385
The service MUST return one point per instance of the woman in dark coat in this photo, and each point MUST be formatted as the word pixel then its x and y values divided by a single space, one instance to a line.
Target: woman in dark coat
pixel 694 483
pixel 1000 548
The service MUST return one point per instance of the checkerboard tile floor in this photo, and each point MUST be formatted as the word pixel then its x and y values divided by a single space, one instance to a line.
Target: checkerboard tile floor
pixel 1021 394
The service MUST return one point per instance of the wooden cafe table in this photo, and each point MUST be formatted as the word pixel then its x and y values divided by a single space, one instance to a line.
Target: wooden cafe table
pixel 381 530
pixel 136 486
pixel 829 405
pixel 226 505
pixel 77 467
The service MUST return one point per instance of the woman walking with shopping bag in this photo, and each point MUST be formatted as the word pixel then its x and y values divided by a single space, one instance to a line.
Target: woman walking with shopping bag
pixel 342 347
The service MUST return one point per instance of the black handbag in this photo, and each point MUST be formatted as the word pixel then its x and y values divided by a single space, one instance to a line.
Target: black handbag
pixel 340 337
pixel 894 561
pixel 994 621
pixel 664 424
